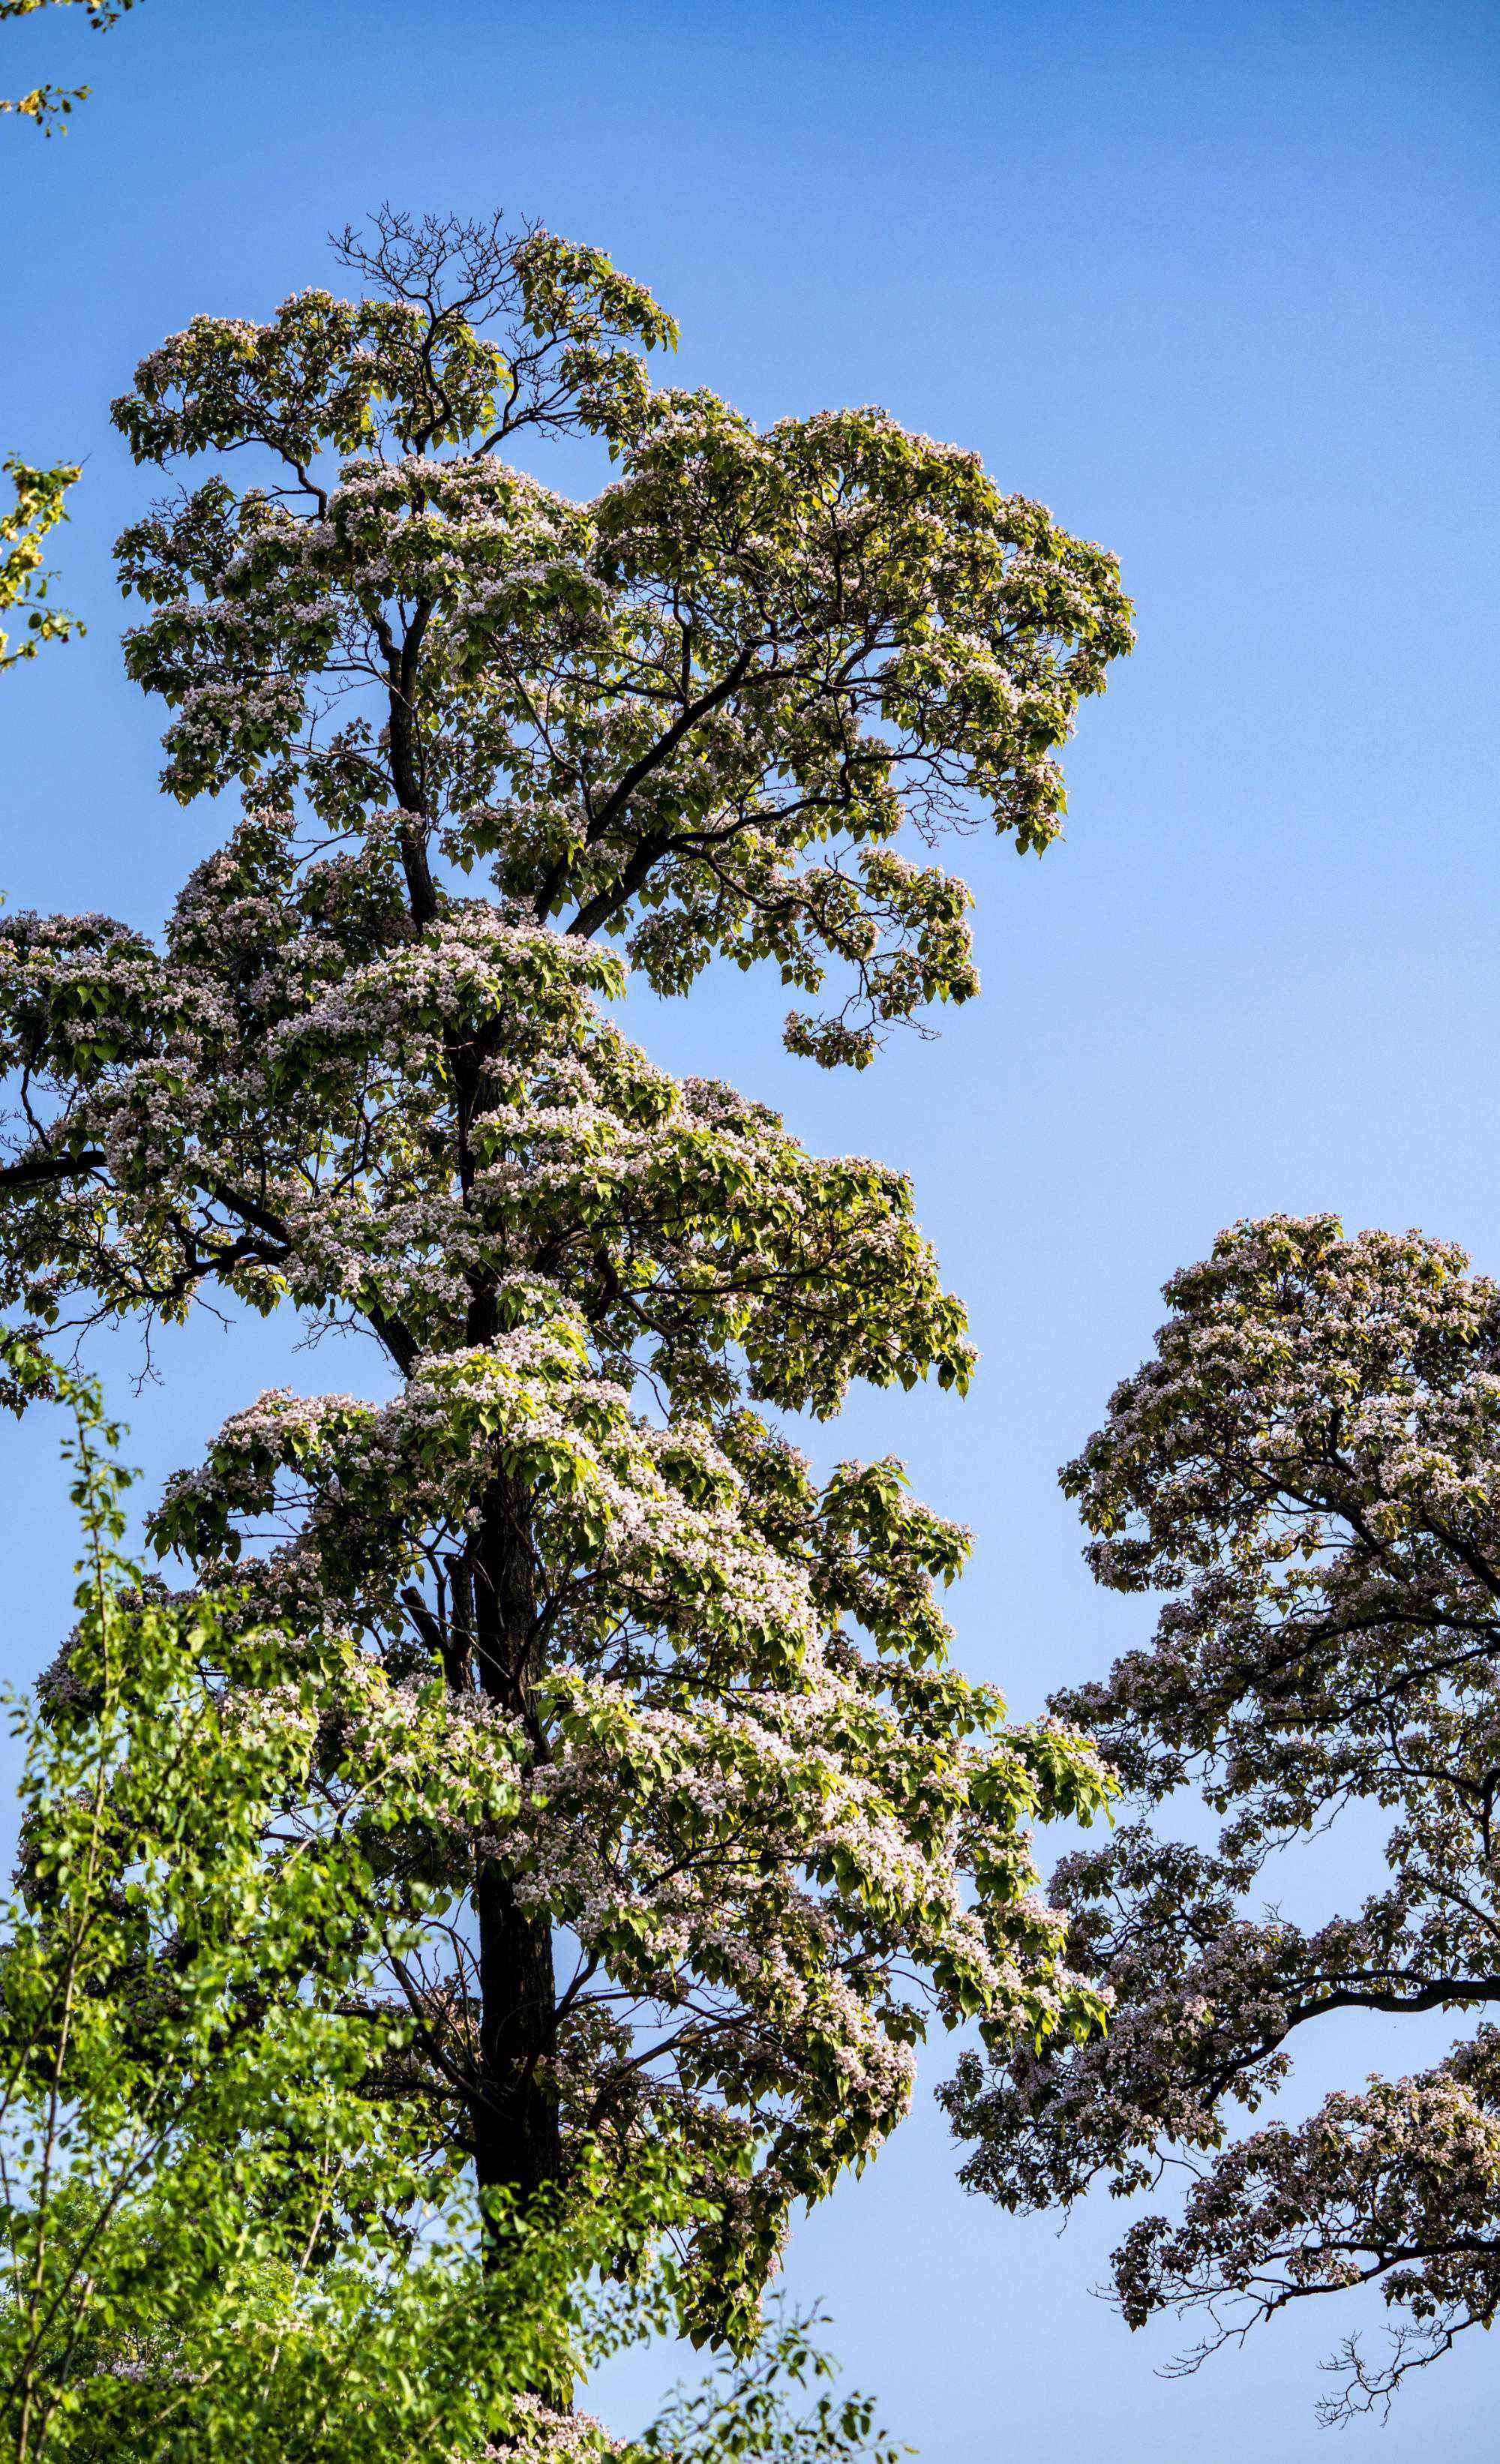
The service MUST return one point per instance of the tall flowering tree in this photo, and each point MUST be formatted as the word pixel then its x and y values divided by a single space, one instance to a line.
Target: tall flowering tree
pixel 1309 1468
pixel 706 1825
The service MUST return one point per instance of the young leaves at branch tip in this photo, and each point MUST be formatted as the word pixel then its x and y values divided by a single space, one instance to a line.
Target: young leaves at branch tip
pixel 1309 1468
pixel 39 507
pixel 49 106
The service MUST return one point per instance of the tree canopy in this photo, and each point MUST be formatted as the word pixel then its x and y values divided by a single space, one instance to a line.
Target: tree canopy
pixel 697 710
pixel 1308 1469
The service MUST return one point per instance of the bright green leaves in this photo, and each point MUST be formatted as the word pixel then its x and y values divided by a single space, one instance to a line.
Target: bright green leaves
pixel 744 2413
pixel 305 383
pixel 39 507
pixel 176 2072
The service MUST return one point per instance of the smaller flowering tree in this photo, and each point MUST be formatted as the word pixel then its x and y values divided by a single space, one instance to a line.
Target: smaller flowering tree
pixel 1309 1468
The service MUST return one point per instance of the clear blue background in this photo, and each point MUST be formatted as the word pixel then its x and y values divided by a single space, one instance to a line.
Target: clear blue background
pixel 1216 282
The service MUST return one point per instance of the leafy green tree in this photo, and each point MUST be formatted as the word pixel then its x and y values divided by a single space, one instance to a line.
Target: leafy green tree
pixel 719 1826
pixel 1308 1469
pixel 213 2241
pixel 749 2411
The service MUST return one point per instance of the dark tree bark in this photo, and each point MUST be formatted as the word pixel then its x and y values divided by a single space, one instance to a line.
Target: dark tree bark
pixel 514 2112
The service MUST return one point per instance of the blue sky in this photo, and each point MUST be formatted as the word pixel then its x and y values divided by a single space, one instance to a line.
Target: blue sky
pixel 1217 284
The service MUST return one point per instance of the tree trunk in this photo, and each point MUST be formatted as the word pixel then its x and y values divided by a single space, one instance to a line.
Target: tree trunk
pixel 514 2112
pixel 514 2117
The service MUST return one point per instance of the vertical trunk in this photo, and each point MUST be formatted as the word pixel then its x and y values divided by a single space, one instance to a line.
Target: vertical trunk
pixel 514 2114
pixel 517 2145
pixel 406 779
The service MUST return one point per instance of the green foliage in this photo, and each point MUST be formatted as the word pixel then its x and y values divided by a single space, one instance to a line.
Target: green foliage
pixel 744 2412
pixel 696 712
pixel 39 507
